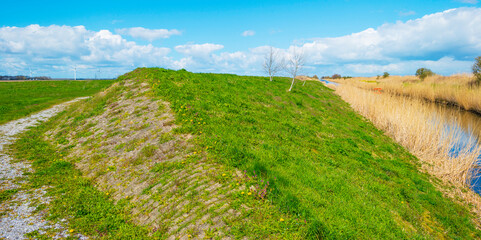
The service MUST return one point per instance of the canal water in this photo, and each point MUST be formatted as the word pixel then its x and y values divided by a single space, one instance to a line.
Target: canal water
pixel 328 82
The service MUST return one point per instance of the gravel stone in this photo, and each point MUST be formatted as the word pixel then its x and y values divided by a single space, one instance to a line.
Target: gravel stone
pixel 17 215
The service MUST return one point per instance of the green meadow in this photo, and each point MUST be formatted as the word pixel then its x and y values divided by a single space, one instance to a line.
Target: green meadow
pixel 317 163
pixel 19 99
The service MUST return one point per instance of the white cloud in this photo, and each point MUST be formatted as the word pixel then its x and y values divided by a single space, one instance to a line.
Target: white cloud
pixel 107 47
pixel 148 34
pixel 198 50
pixel 248 33
pixel 45 47
pixel 45 41
pixel 455 33
pixel 445 65
pixel 446 42
pixel 185 62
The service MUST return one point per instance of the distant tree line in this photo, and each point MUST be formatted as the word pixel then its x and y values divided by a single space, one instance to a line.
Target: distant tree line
pixel 21 77
pixel 335 76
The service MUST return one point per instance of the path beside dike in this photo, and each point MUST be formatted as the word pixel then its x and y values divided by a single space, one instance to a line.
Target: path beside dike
pixel 18 215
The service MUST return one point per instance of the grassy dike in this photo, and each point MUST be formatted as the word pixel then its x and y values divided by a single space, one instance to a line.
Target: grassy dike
pixel 326 166
pixel 325 163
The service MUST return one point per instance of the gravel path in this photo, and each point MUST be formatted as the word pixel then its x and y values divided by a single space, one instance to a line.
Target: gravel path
pixel 17 214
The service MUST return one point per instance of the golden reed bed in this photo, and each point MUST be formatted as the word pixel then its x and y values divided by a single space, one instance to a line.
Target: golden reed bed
pixel 458 89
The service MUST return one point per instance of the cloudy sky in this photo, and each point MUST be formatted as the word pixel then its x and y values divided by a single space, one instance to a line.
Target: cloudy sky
pixel 349 37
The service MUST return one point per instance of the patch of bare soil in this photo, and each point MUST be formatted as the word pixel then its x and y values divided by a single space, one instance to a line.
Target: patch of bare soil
pixel 131 152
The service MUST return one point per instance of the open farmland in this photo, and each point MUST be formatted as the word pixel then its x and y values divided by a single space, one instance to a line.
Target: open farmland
pixel 18 99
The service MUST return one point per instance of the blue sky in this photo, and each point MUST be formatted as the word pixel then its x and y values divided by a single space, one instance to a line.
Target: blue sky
pixel 351 37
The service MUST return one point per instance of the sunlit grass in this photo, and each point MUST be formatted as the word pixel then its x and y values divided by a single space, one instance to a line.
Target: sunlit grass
pixel 18 99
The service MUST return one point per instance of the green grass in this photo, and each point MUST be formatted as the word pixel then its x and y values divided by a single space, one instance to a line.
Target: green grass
pixel 7 194
pixel 19 99
pixel 324 163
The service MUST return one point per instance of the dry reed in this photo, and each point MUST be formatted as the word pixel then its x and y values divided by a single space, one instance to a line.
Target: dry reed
pixel 410 123
pixel 455 90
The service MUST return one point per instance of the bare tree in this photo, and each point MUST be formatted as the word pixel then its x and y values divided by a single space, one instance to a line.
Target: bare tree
pixel 295 64
pixel 272 63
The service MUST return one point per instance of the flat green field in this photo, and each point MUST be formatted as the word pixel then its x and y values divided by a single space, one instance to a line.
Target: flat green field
pixel 19 99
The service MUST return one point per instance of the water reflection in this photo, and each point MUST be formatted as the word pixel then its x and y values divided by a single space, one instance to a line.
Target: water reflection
pixel 328 82
pixel 466 127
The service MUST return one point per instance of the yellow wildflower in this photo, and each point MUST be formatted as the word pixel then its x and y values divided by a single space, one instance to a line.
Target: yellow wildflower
pixel 249 193
pixel 281 220
pixel 242 192
pixel 71 230
pixel 223 174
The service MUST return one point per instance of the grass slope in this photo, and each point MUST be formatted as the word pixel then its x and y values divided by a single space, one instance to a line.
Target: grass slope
pixel 324 163
pixel 18 99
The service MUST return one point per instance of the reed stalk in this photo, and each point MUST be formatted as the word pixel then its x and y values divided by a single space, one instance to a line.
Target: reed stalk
pixel 458 89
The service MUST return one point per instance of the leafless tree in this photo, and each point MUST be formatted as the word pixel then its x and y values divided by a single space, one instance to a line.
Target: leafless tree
pixel 272 63
pixel 295 64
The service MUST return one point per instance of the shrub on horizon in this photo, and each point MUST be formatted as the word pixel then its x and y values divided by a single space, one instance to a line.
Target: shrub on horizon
pixel 423 73
pixel 336 76
pixel 385 75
